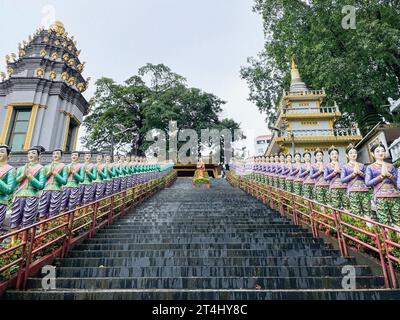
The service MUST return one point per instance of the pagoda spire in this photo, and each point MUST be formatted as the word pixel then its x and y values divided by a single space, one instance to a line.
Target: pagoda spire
pixel 296 85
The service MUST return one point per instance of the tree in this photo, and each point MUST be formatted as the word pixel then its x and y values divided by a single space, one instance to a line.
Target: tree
pixel 359 68
pixel 147 101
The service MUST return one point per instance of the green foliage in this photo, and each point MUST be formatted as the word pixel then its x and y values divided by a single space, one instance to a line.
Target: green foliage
pixel 146 101
pixel 359 68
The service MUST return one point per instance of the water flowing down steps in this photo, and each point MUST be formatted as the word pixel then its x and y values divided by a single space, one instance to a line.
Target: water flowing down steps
pixel 219 243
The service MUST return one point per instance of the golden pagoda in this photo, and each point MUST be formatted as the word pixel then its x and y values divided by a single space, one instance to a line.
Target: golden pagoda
pixel 304 123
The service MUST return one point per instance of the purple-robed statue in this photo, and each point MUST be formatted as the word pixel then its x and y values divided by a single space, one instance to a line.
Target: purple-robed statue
pixel 71 195
pixel 56 176
pixel 382 177
pixel 101 174
pixel 31 180
pixel 89 176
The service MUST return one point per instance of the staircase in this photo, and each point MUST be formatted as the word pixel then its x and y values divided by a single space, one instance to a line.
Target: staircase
pixel 219 243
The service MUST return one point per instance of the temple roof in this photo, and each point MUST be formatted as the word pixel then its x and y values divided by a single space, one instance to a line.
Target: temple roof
pixel 48 54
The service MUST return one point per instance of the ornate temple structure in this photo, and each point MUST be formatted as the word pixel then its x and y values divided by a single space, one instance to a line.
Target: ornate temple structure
pixel 41 101
pixel 305 124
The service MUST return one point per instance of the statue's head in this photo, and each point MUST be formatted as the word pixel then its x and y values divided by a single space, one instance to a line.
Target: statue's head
pixel 57 155
pixel 4 152
pixel 34 153
pixel 88 156
pixel 75 156
pixel 378 150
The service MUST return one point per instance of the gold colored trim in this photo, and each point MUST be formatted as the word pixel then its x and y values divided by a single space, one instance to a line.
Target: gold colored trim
pixel 67 121
pixel 6 124
pixel 321 138
pixel 76 137
pixel 31 126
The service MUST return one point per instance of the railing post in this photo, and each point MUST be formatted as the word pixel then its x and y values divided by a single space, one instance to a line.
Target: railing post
pixel 111 210
pixel 29 257
pixel 382 259
pixel 339 233
pixel 94 219
pixel 21 269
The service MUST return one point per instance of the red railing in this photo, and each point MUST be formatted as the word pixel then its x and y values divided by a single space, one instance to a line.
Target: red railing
pixel 24 252
pixel 360 233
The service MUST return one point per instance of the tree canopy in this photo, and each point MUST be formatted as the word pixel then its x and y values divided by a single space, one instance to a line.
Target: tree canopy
pixel 359 68
pixel 146 101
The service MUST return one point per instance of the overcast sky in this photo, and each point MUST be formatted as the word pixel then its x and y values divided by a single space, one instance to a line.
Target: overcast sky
pixel 204 40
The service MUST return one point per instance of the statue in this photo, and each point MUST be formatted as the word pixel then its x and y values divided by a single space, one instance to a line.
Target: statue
pixel 295 174
pixel 287 173
pixel 110 174
pixel 353 174
pixel 282 170
pixel 118 174
pixel 124 172
pixel 31 180
pixel 101 175
pixel 89 176
pixel 332 174
pixel 201 168
pixel 321 186
pixel 305 175
pixel 56 177
pixel 7 181
pixel 382 177
pixel 72 193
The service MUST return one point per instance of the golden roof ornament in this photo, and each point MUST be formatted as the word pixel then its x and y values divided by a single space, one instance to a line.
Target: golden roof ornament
pixel 66 57
pixel 52 75
pixel 72 81
pixel 14 56
pixel 78 52
pixel 81 87
pixel 54 56
pixel 58 27
pixel 39 71
pixel 43 53
pixel 10 71
pixel 21 53
pixel 79 67
pixel 7 58
pixel 2 76
pixel 64 76
pixel 46 39
pixel 24 43
pixel 71 62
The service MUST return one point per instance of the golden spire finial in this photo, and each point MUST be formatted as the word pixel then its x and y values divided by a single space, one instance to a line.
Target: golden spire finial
pixel 293 63
pixel 58 27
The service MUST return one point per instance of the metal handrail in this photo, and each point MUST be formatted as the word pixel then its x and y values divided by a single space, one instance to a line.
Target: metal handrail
pixel 376 237
pixel 25 249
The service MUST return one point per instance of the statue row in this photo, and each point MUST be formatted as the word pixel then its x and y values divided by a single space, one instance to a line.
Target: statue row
pixel 45 191
pixel 353 185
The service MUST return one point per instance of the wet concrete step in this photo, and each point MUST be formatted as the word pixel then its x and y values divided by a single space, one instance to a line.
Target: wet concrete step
pixel 210 246
pixel 209 283
pixel 214 234
pixel 209 240
pixel 207 261
pixel 167 253
pixel 206 271
pixel 205 294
